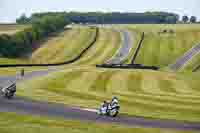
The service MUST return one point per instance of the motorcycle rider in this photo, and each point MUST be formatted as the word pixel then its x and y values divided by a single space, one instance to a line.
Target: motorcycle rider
pixel 104 107
pixel 9 91
pixel 114 102
pixel 110 108
pixel 105 104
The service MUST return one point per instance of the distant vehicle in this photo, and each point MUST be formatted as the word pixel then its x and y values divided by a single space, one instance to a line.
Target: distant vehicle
pixel 8 92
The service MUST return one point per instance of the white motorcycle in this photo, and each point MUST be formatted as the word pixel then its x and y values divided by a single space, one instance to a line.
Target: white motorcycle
pixel 112 111
pixel 8 92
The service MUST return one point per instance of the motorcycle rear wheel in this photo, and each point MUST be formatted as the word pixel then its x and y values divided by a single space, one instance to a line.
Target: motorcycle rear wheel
pixel 9 96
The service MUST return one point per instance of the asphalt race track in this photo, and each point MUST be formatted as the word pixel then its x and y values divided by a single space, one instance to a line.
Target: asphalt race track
pixel 124 50
pixel 185 58
pixel 25 106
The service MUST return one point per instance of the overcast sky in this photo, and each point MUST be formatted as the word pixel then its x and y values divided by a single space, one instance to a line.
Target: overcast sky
pixel 10 9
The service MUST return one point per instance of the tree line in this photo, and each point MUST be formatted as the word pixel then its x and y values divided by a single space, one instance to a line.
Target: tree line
pixel 21 43
pixel 114 17
pixel 109 18
pixel 186 19
pixel 42 24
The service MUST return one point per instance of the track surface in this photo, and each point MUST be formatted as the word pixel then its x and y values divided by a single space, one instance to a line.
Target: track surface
pixel 185 58
pixel 6 80
pixel 124 50
pixel 25 106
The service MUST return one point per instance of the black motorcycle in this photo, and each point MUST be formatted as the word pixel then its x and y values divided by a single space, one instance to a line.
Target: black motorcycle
pixel 8 92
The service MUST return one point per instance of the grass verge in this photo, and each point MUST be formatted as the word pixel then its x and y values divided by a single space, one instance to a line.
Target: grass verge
pixel 10 123
pixel 142 93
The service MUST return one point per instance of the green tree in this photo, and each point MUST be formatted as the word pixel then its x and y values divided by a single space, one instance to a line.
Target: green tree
pixel 21 42
pixel 23 19
pixel 185 19
pixel 193 19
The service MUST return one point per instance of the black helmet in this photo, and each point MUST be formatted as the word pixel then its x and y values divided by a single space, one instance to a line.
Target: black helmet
pixel 105 102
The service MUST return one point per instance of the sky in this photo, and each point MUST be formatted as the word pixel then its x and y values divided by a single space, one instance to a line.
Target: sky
pixel 11 9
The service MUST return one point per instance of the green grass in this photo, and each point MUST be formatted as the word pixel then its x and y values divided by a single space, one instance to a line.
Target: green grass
pixel 10 29
pixel 58 48
pixel 13 71
pixel 163 49
pixel 141 93
pixel 68 44
pixel 65 46
pixel 107 44
pixel 10 123
pixel 12 60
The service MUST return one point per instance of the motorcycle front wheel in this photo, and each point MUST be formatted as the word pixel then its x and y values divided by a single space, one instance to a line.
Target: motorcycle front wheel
pixel 114 113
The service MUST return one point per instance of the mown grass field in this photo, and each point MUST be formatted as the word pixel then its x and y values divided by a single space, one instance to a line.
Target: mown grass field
pixel 11 28
pixel 66 46
pixel 162 49
pixel 12 71
pixel 142 93
pixel 159 95
pixel 10 123
pixel 58 48
pixel 107 44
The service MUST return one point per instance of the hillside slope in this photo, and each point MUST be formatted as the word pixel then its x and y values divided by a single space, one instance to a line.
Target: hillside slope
pixel 164 44
pixel 142 93
pixel 59 47
pixel 107 44
pixel 67 45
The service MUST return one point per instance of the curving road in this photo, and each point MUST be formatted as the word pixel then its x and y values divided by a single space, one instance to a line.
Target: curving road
pixel 7 80
pixel 124 50
pixel 185 58
pixel 24 106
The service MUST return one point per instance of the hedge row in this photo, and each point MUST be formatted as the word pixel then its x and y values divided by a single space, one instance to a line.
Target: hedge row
pixel 21 43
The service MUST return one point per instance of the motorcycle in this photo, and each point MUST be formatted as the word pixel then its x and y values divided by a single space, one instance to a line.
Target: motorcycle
pixel 112 111
pixel 8 92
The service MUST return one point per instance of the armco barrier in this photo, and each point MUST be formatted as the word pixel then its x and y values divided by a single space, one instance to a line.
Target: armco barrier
pixel 138 49
pixel 56 64
pixel 132 65
pixel 127 66
pixel 196 69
